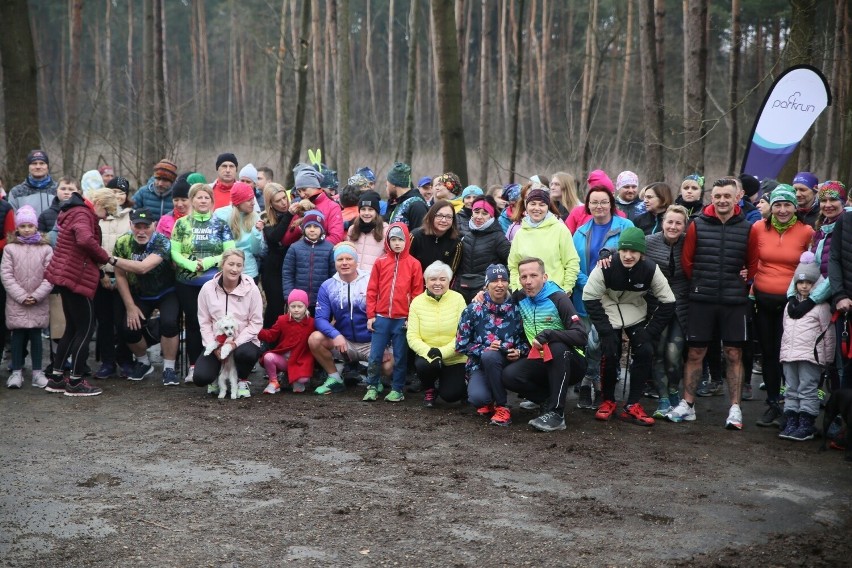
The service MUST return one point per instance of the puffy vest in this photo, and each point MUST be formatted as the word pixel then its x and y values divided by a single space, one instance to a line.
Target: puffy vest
pixel 720 254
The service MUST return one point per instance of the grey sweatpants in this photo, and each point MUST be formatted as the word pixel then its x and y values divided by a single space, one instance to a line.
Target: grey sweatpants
pixel 802 380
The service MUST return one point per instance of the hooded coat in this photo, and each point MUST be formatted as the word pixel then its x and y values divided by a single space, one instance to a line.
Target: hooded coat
pixel 290 336
pixel 22 271
pixel 306 266
pixel 396 279
pixel 244 304
pixel 551 242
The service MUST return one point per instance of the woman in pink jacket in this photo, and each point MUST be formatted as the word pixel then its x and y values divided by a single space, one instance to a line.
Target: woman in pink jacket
pixel 233 293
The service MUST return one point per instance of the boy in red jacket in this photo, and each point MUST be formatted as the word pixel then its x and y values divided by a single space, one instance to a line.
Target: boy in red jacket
pixel 289 334
pixel 396 279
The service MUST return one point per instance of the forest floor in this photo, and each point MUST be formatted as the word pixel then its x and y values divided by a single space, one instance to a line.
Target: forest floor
pixel 145 475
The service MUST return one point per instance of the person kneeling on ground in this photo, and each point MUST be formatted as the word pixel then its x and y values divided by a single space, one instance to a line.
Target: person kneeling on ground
pixel 615 300
pixel 289 337
pixel 557 337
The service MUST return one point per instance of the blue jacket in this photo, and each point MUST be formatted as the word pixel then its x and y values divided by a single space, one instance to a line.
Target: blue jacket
pixel 582 238
pixel 482 323
pixel 306 266
pixel 157 204
pixel 344 303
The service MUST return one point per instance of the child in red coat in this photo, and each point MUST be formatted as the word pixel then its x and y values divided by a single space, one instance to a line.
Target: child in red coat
pixel 291 353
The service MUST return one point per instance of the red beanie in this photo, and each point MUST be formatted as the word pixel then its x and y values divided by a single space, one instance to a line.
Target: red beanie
pixel 240 193
pixel 599 178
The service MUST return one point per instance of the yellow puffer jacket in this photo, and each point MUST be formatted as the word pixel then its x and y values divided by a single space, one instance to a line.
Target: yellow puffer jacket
pixel 433 323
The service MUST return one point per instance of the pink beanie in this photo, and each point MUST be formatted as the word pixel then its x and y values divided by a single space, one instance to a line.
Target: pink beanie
pixel 599 178
pixel 241 192
pixel 25 214
pixel 626 178
pixel 298 296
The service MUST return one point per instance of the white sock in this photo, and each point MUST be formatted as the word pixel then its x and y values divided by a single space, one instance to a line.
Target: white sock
pixel 168 364
pixel 144 359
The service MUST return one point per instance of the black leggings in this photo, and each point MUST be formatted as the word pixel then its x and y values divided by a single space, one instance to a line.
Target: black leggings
pixel 188 298
pixel 207 367
pixel 538 381
pixel 769 321
pixel 451 384
pixel 169 314
pixel 109 347
pixel 79 327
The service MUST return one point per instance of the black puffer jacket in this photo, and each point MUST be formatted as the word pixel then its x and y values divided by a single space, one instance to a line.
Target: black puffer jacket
pixel 479 249
pixel 840 259
pixel 667 258
pixel 429 248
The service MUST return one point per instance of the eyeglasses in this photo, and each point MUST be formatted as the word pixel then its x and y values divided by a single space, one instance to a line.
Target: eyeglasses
pixel 444 217
pixel 598 203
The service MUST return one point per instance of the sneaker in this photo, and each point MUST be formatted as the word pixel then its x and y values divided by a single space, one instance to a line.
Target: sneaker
pixel 663 406
pixel 748 392
pixel 140 371
pixel 757 368
pixel 762 386
pixel 429 398
pixel 15 380
pixel 681 413
pixel 791 425
pixel 651 392
pixel 502 416
pixel 124 370
pixel 674 397
pixel 605 410
pixel 486 410
pixel 548 422
pixel 806 429
pixel 372 394
pixel 272 387
pixel 735 418
pixel 529 405
pixel 170 378
pixel 710 388
pixel 189 378
pixel 82 388
pixel 772 416
pixel 39 380
pixel 105 371
pixel 243 390
pixel 394 396
pixel 300 386
pixel 635 414
pixel 584 397
pixel 213 388
pixel 56 384
pixel 330 386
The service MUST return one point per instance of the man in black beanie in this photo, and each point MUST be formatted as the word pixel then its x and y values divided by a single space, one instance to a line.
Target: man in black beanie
pixel 226 175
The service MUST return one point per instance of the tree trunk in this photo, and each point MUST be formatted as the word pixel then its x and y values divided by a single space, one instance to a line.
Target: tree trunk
pixel 391 85
pixel 368 63
pixel 625 81
pixel 344 94
pixel 110 97
pixel 590 68
pixel 204 59
pixel 660 46
pixel 161 118
pixel 546 33
pixel 279 86
pixel 411 88
pixel 168 127
pixel 72 106
pixel 316 72
pixel 484 94
pixel 733 86
pixel 301 90
pixel 20 91
pixel 330 76
pixel 504 66
pixel 833 111
pixel 449 90
pixel 516 95
pixel 652 110
pixel 696 87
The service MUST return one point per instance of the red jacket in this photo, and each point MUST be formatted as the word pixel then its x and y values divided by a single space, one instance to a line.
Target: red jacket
pixel 333 217
pixel 290 335
pixel 395 280
pixel 78 254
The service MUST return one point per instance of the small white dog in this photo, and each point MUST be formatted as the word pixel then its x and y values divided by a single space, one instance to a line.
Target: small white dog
pixel 226 328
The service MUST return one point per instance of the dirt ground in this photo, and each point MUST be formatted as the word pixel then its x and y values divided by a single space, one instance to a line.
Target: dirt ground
pixel 145 475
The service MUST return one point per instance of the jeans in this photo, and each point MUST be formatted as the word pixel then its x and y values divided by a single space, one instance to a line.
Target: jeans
pixel 486 383
pixel 668 359
pixel 802 378
pixel 387 330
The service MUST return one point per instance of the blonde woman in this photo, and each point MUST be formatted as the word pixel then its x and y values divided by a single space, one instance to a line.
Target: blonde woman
pixel 563 193
pixel 245 226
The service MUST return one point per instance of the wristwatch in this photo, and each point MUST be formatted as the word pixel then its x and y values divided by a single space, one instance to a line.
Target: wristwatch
pixel 112 260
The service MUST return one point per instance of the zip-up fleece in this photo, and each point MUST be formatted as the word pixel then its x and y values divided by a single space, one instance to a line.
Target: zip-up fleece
pixel 344 304
pixel 244 304
pixel 396 279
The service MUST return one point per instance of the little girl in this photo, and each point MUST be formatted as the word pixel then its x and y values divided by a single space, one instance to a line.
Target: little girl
pixel 25 259
pixel 290 337
pixel 805 347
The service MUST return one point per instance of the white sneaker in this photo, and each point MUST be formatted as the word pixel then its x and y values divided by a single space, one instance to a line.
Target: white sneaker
pixel 188 377
pixel 39 380
pixel 243 389
pixel 15 380
pixel 681 413
pixel 735 418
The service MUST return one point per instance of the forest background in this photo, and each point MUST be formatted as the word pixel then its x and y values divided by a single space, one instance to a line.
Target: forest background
pixel 495 90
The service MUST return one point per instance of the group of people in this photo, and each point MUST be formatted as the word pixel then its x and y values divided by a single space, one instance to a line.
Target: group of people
pixel 532 289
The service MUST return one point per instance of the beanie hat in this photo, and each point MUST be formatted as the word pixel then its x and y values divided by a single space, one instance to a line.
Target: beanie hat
pixel 495 272
pixel 832 189
pixel 367 173
pixel 329 177
pixel 91 180
pixel 26 214
pixel 249 171
pixel 194 178
pixel 511 192
pixel 626 178
pixel 697 178
pixel 538 195
pixel 358 181
pixel 105 169
pixel 783 192
pixel 180 189
pixel 166 170
pixel 307 177
pixel 369 199
pixel 226 157
pixel 599 177
pixel 806 178
pixel 751 185
pixel 37 155
pixel 119 182
pixel 345 247
pixel 632 238
pixel 450 180
pixel 396 233
pixel 314 217
pixel 400 174
pixel 297 295
pixel 240 193
pixel 471 190
pixel 808 269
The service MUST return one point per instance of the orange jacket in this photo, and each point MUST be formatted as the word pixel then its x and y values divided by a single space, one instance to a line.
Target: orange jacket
pixel 777 254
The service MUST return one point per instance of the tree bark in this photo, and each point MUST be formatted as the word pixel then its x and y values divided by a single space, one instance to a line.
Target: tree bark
pixel 344 94
pixel 391 85
pixel 368 63
pixel 696 65
pixel 590 68
pixel 484 94
pixel 652 110
pixel 449 90
pixel 411 88
pixel 660 46
pixel 20 91
pixel 833 112
pixel 279 86
pixel 516 95
pixel 161 112
pixel 625 80
pixel 733 86
pixel 316 71
pixel 504 66
pixel 301 90
pixel 72 100
pixel 110 98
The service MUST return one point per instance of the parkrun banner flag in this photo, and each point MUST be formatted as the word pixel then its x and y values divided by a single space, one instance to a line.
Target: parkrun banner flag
pixel 792 105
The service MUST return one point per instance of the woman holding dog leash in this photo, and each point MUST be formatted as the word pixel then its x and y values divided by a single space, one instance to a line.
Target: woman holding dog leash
pixel 229 293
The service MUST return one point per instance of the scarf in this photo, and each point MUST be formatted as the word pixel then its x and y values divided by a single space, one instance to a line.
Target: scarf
pixel 535 225
pixel 781 227
pixel 365 228
pixel 39 183
pixel 484 226
pixel 33 239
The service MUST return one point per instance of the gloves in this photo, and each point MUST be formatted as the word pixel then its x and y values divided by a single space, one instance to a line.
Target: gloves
pixel 640 337
pixel 434 356
pixel 610 342
pixel 798 311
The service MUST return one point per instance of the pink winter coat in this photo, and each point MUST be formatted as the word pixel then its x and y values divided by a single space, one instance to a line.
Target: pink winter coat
pixel 244 304
pixel 800 336
pixel 22 272
pixel 369 250
pixel 333 217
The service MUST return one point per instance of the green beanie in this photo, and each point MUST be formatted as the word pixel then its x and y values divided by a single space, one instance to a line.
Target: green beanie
pixel 194 178
pixel 400 175
pixel 632 239
pixel 783 192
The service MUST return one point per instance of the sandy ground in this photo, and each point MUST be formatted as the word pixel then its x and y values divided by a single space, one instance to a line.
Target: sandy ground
pixel 145 475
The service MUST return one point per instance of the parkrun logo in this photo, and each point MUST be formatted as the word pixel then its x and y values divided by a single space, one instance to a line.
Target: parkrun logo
pixel 791 104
